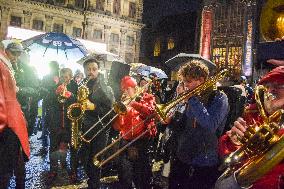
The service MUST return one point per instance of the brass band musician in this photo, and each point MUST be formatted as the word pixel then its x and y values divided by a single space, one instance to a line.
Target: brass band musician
pixel 196 158
pixel 102 97
pixel 274 81
pixel 134 163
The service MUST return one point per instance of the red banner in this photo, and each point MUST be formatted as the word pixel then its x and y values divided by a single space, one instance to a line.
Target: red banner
pixel 206 29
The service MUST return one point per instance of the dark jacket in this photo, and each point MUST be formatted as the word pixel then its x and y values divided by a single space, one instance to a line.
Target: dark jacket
pixel 197 144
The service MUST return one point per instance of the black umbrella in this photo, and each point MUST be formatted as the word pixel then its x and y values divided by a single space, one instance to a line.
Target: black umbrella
pixel 177 61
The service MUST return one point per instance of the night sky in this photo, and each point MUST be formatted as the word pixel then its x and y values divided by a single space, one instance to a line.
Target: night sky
pixel 154 10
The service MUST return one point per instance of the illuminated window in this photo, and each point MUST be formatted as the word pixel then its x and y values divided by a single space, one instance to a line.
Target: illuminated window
pixel 77 32
pixel 16 21
pixel 37 25
pixel 171 43
pixel 116 6
pixel 58 28
pixel 132 10
pixel 157 48
pixel 100 4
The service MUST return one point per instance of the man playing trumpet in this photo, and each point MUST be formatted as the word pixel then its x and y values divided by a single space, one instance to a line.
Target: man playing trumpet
pixel 134 162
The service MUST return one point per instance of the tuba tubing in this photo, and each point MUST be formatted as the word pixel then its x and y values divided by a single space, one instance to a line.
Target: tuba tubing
pixel 261 148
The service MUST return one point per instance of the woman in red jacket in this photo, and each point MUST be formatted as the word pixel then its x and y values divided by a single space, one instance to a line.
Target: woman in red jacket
pixel 134 164
pixel 228 143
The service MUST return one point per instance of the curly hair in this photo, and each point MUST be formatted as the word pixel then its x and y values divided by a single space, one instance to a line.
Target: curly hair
pixel 194 69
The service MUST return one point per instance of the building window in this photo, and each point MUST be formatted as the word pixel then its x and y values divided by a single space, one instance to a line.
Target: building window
pixel 37 25
pixel 58 28
pixel 80 4
pixel 132 10
pixel 128 57
pixel 100 4
pixel 60 2
pixel 114 38
pixel 171 43
pixel 129 41
pixel 16 21
pixel 77 32
pixel 157 48
pixel 116 6
pixel 98 34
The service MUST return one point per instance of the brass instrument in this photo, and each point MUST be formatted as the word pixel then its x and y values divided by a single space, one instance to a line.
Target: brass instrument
pixel 61 98
pixel 119 108
pixel 76 111
pixel 272 20
pixel 261 148
pixel 161 111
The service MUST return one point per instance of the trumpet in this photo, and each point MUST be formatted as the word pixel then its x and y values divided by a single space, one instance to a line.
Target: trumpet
pixel 261 148
pixel 118 108
pixel 61 98
pixel 161 111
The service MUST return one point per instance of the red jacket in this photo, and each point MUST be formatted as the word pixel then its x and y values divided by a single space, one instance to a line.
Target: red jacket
pixel 11 114
pixel 137 112
pixel 271 179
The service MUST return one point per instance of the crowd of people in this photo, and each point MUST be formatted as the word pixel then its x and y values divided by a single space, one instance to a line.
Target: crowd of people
pixel 203 128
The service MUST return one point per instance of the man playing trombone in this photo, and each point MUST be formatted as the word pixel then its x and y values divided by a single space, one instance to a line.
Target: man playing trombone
pixel 196 157
pixel 136 124
pixel 102 97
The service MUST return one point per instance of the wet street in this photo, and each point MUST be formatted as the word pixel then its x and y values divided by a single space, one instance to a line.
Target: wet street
pixel 37 170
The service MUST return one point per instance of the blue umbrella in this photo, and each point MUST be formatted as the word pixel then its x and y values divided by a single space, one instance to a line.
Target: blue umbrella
pixel 147 70
pixel 56 44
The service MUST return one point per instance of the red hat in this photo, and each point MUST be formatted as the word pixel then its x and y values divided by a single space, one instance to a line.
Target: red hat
pixel 127 82
pixel 274 76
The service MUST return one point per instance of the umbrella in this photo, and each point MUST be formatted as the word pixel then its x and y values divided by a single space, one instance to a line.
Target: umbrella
pixel 145 70
pixel 177 61
pixel 58 45
pixel 54 46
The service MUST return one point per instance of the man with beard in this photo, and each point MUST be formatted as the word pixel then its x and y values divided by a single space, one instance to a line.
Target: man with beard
pixel 102 97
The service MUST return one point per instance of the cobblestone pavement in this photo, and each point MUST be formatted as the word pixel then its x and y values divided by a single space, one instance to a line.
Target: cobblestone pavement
pixel 37 170
pixel 38 166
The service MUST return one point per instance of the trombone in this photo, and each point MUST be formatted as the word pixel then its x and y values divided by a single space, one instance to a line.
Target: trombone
pixel 118 108
pixel 161 110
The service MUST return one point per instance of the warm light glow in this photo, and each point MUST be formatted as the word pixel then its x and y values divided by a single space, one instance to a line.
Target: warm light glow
pixel 157 48
pixel 171 43
pixel 280 25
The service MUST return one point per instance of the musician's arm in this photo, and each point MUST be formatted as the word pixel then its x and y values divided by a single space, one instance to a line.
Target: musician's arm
pixel 210 117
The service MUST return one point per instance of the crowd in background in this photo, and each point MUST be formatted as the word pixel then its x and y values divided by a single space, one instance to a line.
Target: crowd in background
pixel 191 149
